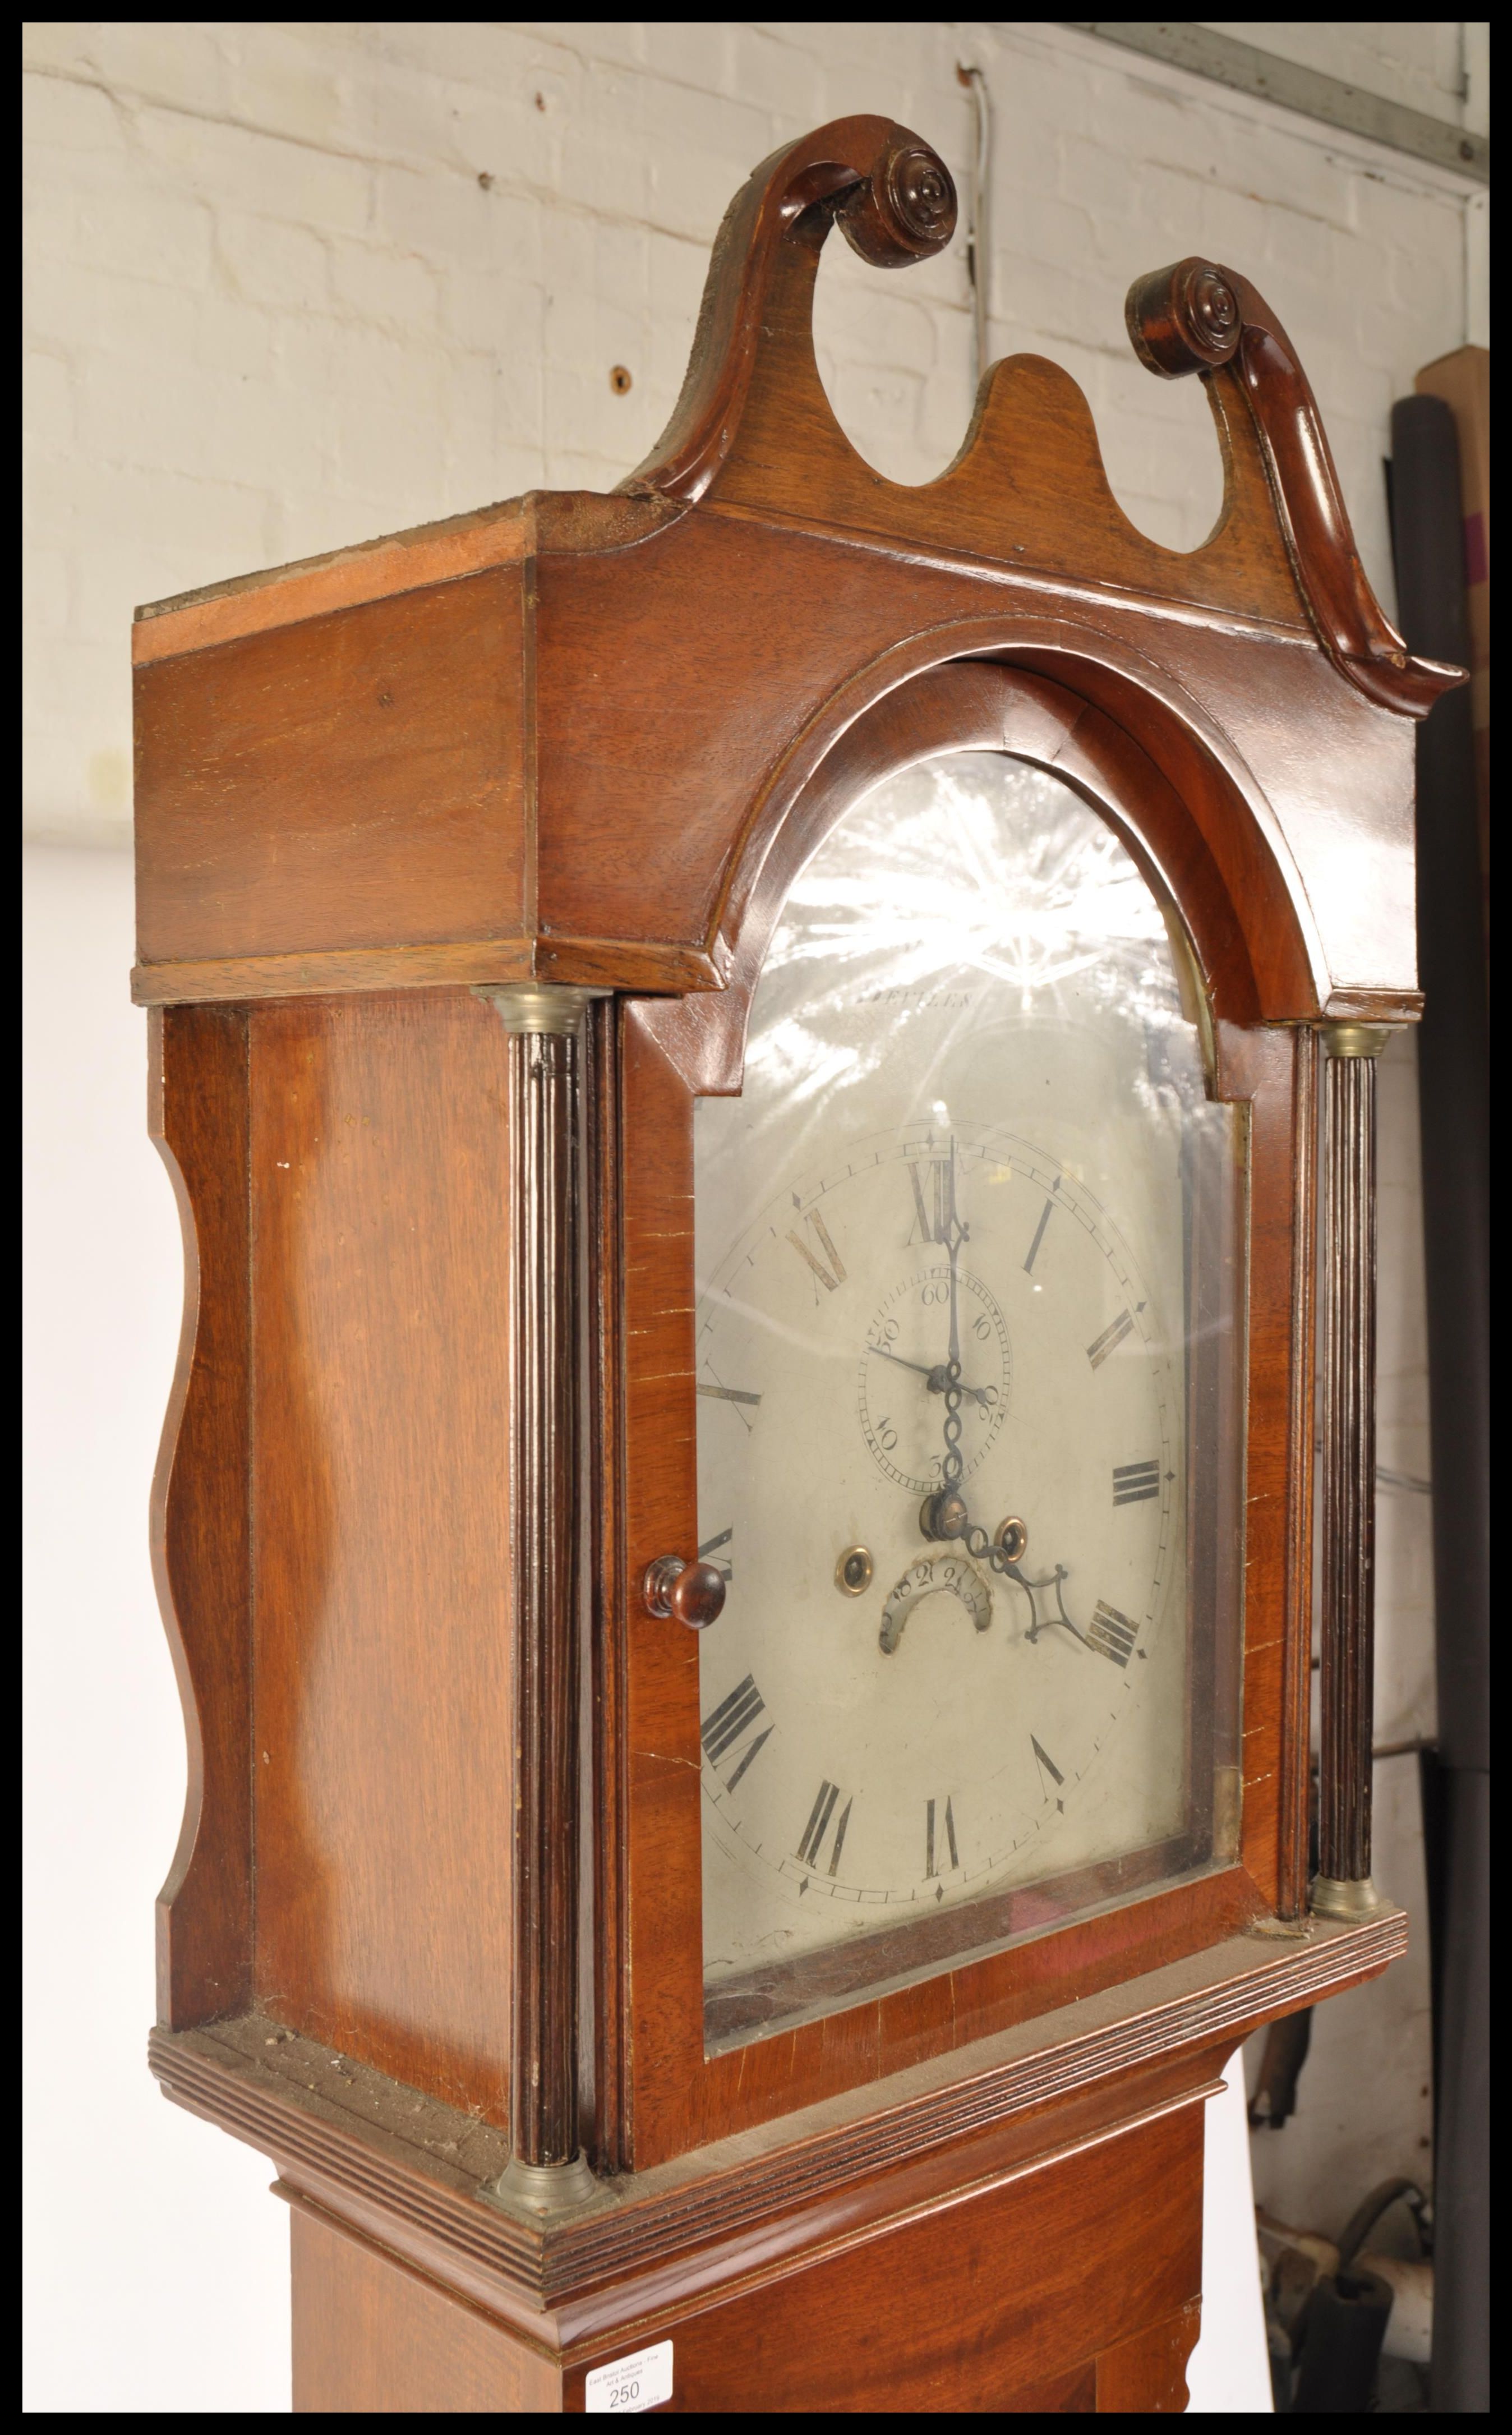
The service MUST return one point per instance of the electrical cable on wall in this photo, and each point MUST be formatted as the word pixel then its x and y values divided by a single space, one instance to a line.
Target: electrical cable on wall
pixel 977 187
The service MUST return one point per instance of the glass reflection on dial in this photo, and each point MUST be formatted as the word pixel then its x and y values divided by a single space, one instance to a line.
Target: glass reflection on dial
pixel 943 1244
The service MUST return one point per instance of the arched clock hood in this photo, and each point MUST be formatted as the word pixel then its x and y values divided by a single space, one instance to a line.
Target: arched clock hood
pixel 459 854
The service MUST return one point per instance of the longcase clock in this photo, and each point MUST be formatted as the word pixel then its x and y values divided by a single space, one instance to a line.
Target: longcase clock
pixel 770 1078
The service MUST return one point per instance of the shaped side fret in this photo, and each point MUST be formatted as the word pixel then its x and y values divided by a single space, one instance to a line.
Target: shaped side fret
pixel 199 1525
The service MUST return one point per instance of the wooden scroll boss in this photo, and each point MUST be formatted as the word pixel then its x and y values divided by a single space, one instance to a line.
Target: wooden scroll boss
pixel 458 855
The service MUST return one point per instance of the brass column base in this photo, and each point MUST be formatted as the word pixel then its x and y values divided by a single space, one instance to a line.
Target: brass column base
pixel 1347 1898
pixel 542 2190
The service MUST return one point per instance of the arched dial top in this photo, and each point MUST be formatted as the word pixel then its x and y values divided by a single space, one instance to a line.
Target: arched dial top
pixel 966 1255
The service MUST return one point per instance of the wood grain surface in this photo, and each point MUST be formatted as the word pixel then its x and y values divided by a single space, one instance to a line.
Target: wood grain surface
pixel 975 2297
pixel 1148 2371
pixel 1031 451
pixel 1271 1072
pixel 1198 317
pixel 201 1557
pixel 409 2169
pixel 656 801
pixel 372 2336
pixel 338 579
pixel 382 1748
pixel 754 419
pixel 982 2301
pixel 276 774
pixel 1197 844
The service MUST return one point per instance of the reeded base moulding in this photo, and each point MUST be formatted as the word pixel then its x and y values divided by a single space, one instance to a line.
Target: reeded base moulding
pixel 412 2173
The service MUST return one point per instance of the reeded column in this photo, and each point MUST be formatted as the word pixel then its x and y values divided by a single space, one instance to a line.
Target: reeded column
pixel 1342 1889
pixel 546 2168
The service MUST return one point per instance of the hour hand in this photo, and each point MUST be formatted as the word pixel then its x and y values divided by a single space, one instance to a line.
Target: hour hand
pixel 937 1374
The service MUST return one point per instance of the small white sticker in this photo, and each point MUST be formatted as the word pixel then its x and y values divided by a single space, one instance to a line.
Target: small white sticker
pixel 638 2382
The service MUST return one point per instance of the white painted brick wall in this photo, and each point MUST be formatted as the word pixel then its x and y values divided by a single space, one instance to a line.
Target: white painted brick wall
pixel 1418 62
pixel 290 286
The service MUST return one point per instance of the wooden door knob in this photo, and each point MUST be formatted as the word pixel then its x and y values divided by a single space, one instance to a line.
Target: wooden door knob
pixel 694 1593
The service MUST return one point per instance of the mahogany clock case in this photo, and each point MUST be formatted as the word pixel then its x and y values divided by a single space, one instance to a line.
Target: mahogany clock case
pixel 589 741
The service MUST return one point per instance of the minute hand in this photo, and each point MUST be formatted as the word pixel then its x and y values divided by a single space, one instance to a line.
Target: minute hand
pixel 955 1254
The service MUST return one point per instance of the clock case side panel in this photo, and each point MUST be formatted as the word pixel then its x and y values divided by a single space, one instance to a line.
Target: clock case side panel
pixel 383 1612
pixel 672 2097
pixel 331 1530
pixel 197 1114
pixel 336 797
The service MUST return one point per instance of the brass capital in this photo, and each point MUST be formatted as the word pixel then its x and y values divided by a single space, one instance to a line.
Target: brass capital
pixel 1355 1039
pixel 538 1006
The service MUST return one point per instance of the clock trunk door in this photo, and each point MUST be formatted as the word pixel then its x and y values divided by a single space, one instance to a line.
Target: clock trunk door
pixel 968 1378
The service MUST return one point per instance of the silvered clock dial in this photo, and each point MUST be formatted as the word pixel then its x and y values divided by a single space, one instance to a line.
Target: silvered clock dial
pixel 966 1252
